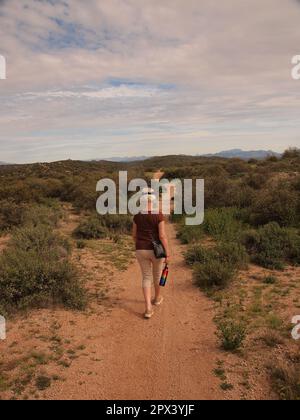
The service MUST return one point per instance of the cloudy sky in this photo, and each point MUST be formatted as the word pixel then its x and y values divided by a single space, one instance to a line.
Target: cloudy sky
pixel 103 78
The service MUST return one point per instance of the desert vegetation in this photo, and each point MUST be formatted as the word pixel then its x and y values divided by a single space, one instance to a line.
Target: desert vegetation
pixel 57 253
pixel 252 225
pixel 36 267
pixel 52 252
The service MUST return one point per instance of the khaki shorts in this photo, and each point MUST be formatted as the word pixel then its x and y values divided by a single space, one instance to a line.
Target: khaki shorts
pixel 151 267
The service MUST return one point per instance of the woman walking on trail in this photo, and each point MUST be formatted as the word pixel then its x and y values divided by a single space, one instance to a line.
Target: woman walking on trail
pixel 149 227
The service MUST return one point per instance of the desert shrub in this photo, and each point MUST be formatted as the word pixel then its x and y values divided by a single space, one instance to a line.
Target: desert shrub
pixel 232 334
pixel 82 196
pixel 279 205
pixel 189 234
pixel 80 244
pixel 117 223
pixel 222 223
pixel 213 171
pixel 198 254
pixel 41 214
pixel 42 383
pixel 256 180
pixel 35 271
pixel 285 381
pixel 237 167
pixel 40 188
pixel 15 215
pixel 215 187
pixel 293 248
pixel 213 273
pixel 11 214
pixel 272 339
pixel 98 227
pixel 215 192
pixel 91 228
pixel 270 280
pixel 272 159
pixel 296 184
pixel 291 153
pixel 270 246
pixel 233 253
pixel 239 195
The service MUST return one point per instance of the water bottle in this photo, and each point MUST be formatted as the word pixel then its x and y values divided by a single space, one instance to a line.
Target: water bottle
pixel 164 276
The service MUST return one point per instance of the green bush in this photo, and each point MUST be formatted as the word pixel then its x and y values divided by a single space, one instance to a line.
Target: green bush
pixel 15 215
pixel 198 254
pixel 233 254
pixel 11 214
pixel 189 234
pixel 296 184
pixel 270 280
pixel 117 223
pixel 280 205
pixel 222 224
pixel 232 334
pixel 271 246
pixel 285 381
pixel 80 244
pixel 236 167
pixel 229 253
pixel 91 228
pixel 240 195
pixel 41 214
pixel 293 251
pixel 35 271
pixel 213 273
pixel 292 153
pixel 256 180
pixel 216 189
pixel 99 227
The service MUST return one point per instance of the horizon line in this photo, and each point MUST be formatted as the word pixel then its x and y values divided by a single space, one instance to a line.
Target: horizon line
pixel 131 159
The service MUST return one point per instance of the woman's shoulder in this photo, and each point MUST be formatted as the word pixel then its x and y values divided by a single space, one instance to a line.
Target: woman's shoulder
pixel 158 217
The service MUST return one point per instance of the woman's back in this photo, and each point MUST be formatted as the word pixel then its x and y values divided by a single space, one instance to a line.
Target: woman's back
pixel 147 229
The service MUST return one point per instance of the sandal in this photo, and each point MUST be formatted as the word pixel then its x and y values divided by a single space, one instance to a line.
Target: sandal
pixel 158 302
pixel 148 315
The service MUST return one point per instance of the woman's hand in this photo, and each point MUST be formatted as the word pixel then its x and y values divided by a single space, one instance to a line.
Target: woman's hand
pixel 168 260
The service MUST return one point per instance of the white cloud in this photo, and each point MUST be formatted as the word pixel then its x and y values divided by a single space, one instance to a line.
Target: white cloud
pixel 228 64
pixel 122 91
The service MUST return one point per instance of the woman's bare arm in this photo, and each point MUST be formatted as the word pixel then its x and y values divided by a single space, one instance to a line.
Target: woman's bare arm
pixel 164 239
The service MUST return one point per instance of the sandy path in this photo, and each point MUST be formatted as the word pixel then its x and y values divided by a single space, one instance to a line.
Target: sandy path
pixel 172 356
pixel 123 356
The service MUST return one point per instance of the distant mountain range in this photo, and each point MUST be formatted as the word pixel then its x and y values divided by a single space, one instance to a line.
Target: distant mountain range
pixel 242 154
pixel 127 159
pixel 228 154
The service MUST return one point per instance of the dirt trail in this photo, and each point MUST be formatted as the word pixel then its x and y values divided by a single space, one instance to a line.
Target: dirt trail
pixel 124 356
pixel 172 356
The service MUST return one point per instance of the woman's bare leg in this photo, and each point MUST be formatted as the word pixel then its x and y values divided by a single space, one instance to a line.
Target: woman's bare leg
pixel 148 295
pixel 157 292
pixel 157 267
pixel 145 261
